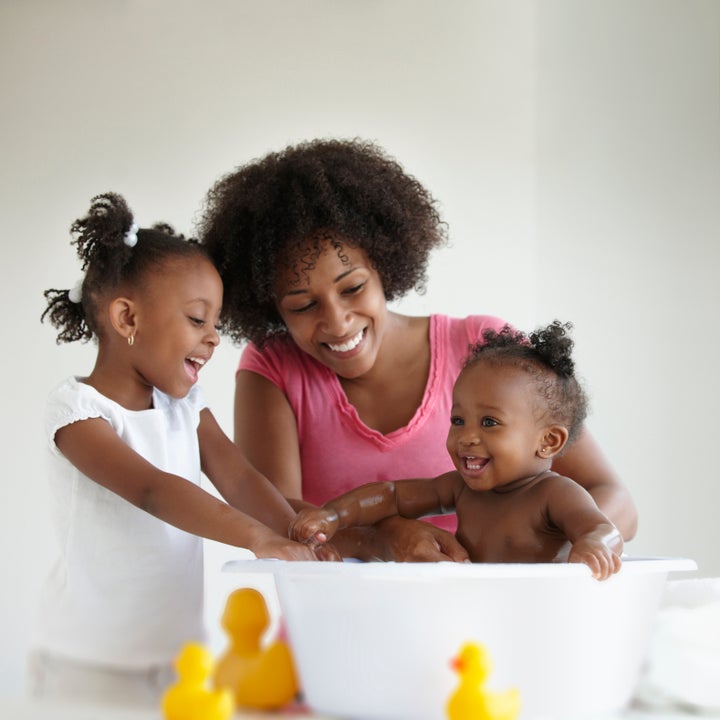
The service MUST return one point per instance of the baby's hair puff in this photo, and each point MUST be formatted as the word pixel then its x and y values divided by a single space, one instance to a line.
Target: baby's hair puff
pixel 546 354
pixel 115 253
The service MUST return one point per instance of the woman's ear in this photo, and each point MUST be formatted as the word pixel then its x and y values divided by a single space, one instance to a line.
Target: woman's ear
pixel 122 317
pixel 552 441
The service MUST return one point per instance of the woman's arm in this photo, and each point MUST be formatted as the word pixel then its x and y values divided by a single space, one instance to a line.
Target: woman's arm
pixel 586 464
pixel 96 450
pixel 266 433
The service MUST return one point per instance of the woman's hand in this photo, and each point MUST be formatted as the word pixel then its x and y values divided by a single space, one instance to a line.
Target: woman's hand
pixel 403 540
pixel 585 463
pixel 327 552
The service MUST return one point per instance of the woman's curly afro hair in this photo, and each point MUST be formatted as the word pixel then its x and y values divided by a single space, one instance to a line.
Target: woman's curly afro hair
pixel 546 355
pixel 259 219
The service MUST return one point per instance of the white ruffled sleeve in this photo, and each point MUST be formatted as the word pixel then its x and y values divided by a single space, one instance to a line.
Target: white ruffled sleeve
pixel 70 402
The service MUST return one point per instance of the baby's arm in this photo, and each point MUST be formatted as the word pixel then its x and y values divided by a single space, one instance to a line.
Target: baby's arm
pixel 364 505
pixel 97 451
pixel 595 540
pixel 372 502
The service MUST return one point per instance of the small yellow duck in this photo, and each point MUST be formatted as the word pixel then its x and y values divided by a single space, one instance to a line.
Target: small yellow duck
pixel 190 698
pixel 471 701
pixel 258 677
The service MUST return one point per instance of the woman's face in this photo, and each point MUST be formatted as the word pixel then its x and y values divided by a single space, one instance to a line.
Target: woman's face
pixel 334 307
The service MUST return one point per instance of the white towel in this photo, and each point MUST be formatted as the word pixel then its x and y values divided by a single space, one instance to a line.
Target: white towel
pixel 683 662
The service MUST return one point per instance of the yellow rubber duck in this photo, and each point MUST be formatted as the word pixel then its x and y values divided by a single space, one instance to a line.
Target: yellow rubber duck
pixel 471 701
pixel 258 677
pixel 190 698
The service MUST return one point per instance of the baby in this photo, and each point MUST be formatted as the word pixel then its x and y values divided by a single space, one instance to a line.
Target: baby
pixel 516 405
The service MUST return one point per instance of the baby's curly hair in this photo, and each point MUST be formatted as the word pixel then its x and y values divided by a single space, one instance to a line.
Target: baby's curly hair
pixel 261 218
pixel 546 355
pixel 102 239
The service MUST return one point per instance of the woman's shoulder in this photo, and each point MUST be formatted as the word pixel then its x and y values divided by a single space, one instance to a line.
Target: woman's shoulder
pixel 282 362
pixel 467 330
pixel 278 348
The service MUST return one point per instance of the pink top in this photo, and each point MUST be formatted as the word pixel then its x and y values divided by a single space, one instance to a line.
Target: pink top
pixel 338 451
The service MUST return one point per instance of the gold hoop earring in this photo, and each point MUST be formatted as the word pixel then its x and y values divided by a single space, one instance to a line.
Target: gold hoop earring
pixel 131 340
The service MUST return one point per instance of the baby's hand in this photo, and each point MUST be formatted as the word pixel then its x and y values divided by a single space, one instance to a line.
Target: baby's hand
pixel 314 525
pixel 597 556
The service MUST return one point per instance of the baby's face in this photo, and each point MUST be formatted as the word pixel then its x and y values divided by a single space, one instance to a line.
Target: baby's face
pixel 495 434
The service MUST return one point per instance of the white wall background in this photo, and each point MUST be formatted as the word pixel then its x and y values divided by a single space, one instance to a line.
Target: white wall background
pixel 574 145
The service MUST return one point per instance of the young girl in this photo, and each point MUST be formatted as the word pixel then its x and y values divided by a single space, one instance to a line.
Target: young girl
pixel 128 443
pixel 516 404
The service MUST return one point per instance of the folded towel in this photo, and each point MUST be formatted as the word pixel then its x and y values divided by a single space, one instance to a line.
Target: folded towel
pixel 683 663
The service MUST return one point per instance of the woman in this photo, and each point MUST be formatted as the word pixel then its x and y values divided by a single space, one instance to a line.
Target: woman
pixel 335 389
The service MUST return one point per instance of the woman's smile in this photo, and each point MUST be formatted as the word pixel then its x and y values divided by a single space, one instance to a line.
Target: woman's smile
pixel 336 311
pixel 346 348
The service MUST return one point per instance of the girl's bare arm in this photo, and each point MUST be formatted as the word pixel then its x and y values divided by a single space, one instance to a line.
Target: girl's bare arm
pixel 237 480
pixel 95 449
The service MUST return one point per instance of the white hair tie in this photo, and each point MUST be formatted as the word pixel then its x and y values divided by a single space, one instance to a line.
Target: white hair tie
pixel 130 238
pixel 75 293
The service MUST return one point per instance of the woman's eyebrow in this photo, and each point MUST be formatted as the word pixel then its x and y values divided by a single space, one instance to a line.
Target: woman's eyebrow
pixel 302 291
pixel 346 273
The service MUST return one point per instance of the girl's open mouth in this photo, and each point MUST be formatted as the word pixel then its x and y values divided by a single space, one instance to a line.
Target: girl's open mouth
pixel 193 365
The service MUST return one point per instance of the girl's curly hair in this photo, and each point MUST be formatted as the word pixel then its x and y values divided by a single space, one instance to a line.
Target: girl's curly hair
pixel 546 354
pixel 110 262
pixel 261 218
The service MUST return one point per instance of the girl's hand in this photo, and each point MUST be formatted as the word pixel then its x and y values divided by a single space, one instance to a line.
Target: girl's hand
pixel 597 556
pixel 405 540
pixel 276 546
pixel 314 525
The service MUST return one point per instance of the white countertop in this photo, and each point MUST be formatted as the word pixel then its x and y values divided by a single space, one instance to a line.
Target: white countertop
pixel 19 709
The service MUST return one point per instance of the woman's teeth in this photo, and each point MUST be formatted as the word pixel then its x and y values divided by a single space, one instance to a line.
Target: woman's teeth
pixel 349 345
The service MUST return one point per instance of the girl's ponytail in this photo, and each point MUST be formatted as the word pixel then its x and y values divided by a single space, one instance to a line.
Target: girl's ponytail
pixel 67 315
pixel 104 239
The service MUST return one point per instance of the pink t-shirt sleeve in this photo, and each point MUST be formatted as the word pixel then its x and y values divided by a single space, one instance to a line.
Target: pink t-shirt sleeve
pixel 267 363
